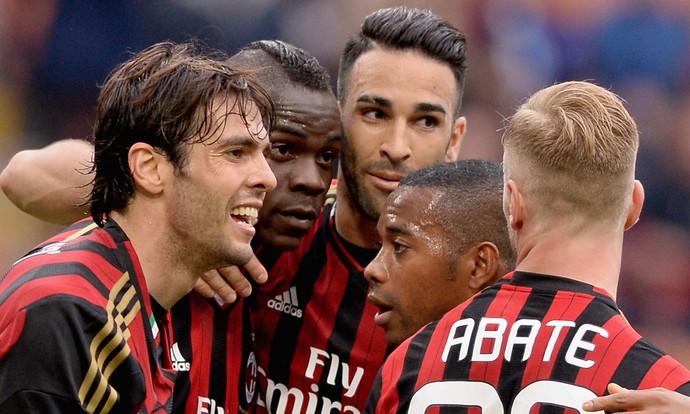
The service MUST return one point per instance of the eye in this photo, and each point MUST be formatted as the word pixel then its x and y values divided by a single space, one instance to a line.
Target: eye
pixel 428 122
pixel 398 247
pixel 280 152
pixel 373 113
pixel 235 152
pixel 325 159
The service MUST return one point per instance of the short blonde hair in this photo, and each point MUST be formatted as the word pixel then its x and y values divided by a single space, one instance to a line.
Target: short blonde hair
pixel 572 147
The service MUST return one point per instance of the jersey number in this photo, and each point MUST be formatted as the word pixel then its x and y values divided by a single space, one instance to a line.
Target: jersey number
pixel 485 396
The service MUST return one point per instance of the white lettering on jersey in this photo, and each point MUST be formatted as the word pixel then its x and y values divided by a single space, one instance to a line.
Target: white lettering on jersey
pixel 207 405
pixel 522 334
pixel 307 401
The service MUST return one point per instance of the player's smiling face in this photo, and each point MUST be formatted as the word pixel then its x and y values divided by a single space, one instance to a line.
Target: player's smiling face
pixel 220 188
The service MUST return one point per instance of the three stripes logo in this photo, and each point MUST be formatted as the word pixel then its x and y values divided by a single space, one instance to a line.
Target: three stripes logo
pixel 178 361
pixel 287 303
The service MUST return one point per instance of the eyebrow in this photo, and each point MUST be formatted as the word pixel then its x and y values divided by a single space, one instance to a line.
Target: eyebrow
pixel 297 132
pixel 429 107
pixel 392 228
pixel 289 130
pixel 242 140
pixel 387 103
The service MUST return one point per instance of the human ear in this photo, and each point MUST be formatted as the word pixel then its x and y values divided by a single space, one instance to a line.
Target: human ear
pixel 456 136
pixel 515 206
pixel 635 205
pixel 149 168
pixel 488 266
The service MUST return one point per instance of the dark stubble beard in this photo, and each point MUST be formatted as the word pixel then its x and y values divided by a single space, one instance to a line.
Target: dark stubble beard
pixel 365 202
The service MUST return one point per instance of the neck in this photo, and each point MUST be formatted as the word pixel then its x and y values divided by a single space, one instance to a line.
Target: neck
pixel 588 256
pixel 352 225
pixel 167 278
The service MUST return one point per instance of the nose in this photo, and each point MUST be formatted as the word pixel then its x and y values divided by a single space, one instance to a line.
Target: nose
pixel 263 176
pixel 376 272
pixel 396 145
pixel 309 178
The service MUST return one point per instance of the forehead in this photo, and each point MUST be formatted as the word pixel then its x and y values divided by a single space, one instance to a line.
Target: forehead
pixel 412 208
pixel 304 109
pixel 404 77
pixel 235 121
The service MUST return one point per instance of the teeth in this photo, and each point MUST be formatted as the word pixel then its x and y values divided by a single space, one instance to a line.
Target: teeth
pixel 250 212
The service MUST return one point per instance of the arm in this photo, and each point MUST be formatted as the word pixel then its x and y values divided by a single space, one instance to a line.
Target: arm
pixel 51 183
pixel 655 400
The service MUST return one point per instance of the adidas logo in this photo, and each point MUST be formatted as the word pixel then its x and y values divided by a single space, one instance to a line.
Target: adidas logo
pixel 178 361
pixel 286 303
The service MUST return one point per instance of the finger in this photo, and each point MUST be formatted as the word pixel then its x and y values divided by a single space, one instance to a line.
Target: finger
pixel 220 286
pixel 256 270
pixel 204 289
pixel 624 400
pixel 614 388
pixel 234 279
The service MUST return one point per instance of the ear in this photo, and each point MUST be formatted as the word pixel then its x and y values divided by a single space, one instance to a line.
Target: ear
pixel 486 266
pixel 149 168
pixel 456 136
pixel 515 206
pixel 635 205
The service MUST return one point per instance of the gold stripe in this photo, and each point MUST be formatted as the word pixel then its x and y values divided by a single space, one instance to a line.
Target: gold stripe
pixel 82 231
pixel 118 333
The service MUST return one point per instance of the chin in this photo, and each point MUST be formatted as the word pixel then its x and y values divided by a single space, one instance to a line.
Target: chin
pixel 280 242
pixel 242 256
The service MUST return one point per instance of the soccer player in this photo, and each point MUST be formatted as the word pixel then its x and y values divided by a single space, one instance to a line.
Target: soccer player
pixel 400 90
pixel 211 342
pixel 211 338
pixel 549 335
pixel 443 238
pixel 179 176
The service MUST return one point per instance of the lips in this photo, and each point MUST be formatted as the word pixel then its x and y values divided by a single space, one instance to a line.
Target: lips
pixel 246 216
pixel 299 218
pixel 383 316
pixel 386 180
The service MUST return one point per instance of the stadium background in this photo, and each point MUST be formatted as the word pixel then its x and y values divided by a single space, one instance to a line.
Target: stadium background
pixel 54 54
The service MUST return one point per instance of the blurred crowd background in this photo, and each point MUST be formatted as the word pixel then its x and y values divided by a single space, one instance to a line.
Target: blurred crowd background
pixel 54 54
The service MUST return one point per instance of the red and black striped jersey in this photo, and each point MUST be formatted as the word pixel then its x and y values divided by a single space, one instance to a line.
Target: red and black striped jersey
pixel 78 332
pixel 531 343
pixel 317 345
pixel 210 347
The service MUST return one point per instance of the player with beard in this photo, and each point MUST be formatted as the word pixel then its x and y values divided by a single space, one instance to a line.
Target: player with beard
pixel 400 89
pixel 179 176
pixel 210 346
pixel 548 336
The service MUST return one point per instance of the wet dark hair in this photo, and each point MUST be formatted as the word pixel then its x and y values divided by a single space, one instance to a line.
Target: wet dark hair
pixel 402 28
pixel 300 67
pixel 165 96
pixel 470 208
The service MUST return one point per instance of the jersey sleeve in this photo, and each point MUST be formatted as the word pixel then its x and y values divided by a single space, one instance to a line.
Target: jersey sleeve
pixel 63 354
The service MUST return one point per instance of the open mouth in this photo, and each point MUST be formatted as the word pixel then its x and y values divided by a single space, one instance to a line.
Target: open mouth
pixel 383 314
pixel 245 216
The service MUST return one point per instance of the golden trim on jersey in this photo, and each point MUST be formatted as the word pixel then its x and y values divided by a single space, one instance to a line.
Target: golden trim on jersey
pixel 123 306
